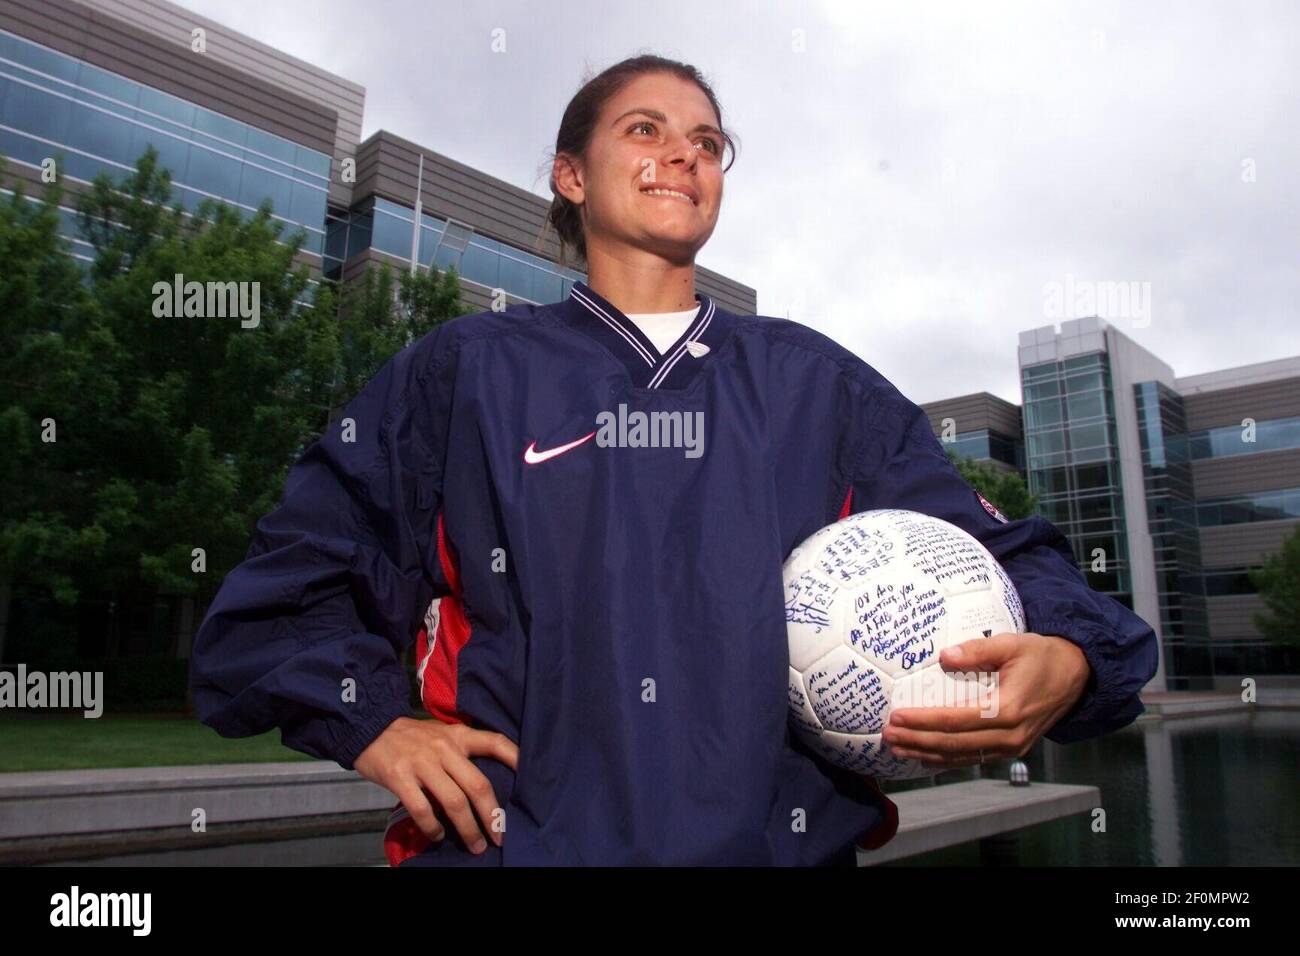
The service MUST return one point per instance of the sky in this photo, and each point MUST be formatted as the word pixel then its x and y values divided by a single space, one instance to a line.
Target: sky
pixel 919 181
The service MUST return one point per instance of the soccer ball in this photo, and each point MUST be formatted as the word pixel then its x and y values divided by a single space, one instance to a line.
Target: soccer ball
pixel 870 602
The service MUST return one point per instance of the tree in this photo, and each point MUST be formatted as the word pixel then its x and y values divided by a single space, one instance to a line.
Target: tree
pixel 1005 489
pixel 44 352
pixel 382 312
pixel 174 432
pixel 1278 582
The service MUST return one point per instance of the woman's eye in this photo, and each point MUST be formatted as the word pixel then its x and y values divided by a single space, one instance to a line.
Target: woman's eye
pixel 713 146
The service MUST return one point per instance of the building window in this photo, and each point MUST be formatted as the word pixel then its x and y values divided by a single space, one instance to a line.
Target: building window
pixel 1243 509
pixel 386 226
pixel 54 104
pixel 1273 435
pixel 1223 582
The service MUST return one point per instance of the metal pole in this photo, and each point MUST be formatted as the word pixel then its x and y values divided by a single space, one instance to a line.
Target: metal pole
pixel 415 228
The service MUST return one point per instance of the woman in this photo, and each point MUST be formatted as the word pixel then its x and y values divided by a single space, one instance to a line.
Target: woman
pixel 602 491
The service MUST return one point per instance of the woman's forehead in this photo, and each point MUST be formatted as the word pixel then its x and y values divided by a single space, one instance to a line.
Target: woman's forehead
pixel 663 93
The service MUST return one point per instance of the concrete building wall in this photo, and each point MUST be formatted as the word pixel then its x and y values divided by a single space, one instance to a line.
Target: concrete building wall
pixel 1242 545
pixel 975 412
pixel 1129 365
pixel 387 166
pixel 1239 375
pixel 1232 616
pixel 1224 399
pixel 1260 401
pixel 1242 474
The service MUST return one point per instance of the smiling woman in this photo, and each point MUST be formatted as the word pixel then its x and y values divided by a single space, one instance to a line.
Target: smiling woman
pixel 614 132
pixel 607 661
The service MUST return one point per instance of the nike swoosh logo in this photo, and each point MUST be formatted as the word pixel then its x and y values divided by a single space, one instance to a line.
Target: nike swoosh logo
pixel 534 457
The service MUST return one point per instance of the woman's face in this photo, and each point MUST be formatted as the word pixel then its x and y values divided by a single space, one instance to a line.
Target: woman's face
pixel 659 132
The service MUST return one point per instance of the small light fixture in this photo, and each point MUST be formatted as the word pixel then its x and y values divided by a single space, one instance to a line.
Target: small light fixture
pixel 1019 774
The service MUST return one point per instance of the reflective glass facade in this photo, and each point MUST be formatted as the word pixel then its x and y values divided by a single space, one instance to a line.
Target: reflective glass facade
pixel 1281 505
pixel 1272 435
pixel 84 252
pixel 387 227
pixel 1171 520
pixel 1072 461
pixel 988 444
pixel 54 104
pixel 1224 582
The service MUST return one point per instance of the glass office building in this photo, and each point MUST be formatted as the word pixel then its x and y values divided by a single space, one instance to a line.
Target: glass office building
pixel 1277 434
pixel 1072 463
pixel 1181 484
pixel 985 444
pixel 1172 521
pixel 388 227
pixel 52 104
pixel 981 428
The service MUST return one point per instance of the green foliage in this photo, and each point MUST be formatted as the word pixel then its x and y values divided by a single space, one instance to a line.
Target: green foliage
pixel 47 355
pixel 1005 489
pixel 1278 582
pixel 384 311
pixel 172 433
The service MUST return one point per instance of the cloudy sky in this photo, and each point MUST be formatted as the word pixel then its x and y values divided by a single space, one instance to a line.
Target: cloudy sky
pixel 914 179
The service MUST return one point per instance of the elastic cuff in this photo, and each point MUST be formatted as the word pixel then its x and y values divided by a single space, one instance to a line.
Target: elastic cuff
pixel 363 734
pixel 1098 707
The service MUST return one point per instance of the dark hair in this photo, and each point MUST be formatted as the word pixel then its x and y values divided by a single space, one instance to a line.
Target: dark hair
pixel 579 121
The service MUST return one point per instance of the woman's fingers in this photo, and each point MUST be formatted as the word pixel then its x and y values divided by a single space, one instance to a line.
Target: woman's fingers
pixel 451 798
pixel 489 743
pixel 478 790
pixel 941 744
pixel 417 805
pixel 426 765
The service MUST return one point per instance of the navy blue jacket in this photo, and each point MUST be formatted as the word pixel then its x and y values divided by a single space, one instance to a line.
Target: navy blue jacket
pixel 611 594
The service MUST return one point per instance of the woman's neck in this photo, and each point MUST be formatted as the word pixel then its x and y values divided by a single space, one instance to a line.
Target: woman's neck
pixel 636 289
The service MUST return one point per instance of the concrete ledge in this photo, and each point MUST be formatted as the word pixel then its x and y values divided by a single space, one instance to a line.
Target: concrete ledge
pixel 340 839
pixel 359 848
pixel 936 817
pixel 106 814
pixel 68 803
pixel 1169 704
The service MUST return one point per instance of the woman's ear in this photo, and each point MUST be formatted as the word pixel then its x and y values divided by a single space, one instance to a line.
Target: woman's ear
pixel 567 179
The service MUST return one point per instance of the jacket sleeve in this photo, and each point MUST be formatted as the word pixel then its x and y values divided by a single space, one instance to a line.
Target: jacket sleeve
pixel 307 633
pixel 901 464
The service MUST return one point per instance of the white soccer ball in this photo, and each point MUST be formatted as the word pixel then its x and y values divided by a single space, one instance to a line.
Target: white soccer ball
pixel 870 602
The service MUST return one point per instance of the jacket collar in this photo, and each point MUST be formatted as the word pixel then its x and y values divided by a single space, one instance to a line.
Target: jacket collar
pixel 592 314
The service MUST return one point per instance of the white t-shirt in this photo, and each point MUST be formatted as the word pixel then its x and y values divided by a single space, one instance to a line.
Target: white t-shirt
pixel 664 328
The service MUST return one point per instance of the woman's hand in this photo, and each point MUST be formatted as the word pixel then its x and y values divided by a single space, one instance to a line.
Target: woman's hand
pixel 1039 678
pixel 414 756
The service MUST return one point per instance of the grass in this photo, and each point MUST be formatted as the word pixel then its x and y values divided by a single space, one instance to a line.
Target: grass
pixel 56 741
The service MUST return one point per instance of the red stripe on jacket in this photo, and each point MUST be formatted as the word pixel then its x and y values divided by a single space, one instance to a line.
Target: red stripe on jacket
pixel 403 839
pixel 439 687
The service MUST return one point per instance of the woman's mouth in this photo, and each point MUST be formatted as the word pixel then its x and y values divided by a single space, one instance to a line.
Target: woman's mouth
pixel 680 193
